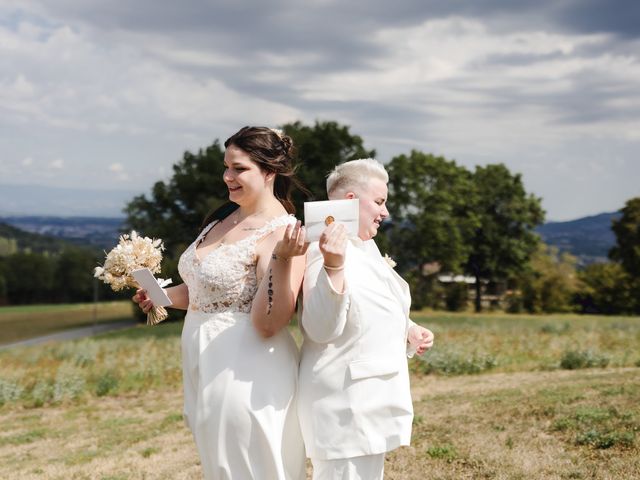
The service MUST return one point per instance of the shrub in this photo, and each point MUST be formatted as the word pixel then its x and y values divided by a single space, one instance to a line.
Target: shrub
pixel 573 360
pixel 445 452
pixel 454 363
pixel 41 394
pixel 9 391
pixel 555 328
pixel 106 384
pixel 456 297
pixel 69 384
pixel 604 440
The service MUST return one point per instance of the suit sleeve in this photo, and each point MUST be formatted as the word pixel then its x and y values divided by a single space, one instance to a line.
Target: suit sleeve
pixel 411 351
pixel 324 312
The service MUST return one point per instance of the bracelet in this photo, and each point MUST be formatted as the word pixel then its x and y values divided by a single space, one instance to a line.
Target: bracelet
pixel 279 257
pixel 327 267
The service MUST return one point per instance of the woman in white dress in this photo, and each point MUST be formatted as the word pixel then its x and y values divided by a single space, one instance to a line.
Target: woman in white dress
pixel 242 275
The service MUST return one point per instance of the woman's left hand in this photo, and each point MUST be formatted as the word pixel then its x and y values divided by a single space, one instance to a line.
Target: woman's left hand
pixel 420 338
pixel 293 242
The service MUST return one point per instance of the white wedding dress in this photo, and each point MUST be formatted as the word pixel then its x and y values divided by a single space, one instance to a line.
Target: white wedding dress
pixel 239 388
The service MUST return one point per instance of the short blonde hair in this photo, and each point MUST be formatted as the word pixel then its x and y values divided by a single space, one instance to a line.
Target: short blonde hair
pixel 355 173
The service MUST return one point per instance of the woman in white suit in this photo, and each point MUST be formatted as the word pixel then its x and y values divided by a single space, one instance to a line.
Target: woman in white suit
pixel 354 399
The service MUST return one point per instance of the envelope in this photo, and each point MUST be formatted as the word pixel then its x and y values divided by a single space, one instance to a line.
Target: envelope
pixel 146 280
pixel 317 215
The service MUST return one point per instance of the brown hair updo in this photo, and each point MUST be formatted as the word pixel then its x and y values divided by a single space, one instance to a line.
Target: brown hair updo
pixel 274 152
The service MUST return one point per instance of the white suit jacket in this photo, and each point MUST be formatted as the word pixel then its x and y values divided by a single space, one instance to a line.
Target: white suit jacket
pixel 354 397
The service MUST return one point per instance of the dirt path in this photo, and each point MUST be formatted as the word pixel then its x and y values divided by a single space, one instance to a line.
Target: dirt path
pixel 72 334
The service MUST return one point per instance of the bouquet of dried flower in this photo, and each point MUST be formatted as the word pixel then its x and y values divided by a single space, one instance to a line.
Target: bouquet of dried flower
pixel 132 253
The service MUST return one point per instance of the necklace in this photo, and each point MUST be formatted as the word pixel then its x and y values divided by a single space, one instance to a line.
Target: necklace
pixel 240 220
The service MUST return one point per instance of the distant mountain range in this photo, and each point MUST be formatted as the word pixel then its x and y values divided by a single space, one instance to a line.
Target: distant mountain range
pixel 588 238
pixel 93 231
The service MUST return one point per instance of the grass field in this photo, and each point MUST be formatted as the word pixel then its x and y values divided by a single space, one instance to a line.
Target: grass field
pixel 20 323
pixel 498 397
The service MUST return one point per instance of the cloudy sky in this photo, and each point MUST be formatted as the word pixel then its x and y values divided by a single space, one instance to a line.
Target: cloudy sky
pixel 108 94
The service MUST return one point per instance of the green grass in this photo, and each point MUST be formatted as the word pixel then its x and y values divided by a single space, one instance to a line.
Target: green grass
pixel 21 323
pixel 507 343
pixel 136 359
pixel 491 400
pixel 124 361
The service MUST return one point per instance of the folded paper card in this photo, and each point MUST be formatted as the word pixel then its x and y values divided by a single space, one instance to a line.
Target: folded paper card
pixel 146 280
pixel 317 215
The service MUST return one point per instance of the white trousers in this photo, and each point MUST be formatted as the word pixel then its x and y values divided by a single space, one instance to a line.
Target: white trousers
pixel 367 467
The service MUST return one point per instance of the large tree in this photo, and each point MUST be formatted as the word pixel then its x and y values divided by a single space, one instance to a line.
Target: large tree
pixel 320 148
pixel 504 238
pixel 431 204
pixel 607 288
pixel 550 282
pixel 627 231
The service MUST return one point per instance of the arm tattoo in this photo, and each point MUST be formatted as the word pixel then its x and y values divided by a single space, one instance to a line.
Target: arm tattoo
pixel 270 293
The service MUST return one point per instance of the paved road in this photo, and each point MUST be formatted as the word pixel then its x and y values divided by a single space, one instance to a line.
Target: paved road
pixel 73 333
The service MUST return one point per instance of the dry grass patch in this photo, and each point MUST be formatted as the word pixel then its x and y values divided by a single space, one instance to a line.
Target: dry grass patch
pixel 493 426
pixel 506 426
pixel 126 437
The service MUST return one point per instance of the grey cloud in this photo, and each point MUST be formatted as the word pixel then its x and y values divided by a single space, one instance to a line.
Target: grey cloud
pixel 619 17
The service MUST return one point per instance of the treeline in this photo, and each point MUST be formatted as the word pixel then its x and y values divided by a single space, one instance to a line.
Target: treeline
pixel 41 269
pixel 446 219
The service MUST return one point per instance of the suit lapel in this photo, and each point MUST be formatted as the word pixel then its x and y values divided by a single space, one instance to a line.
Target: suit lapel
pixel 398 285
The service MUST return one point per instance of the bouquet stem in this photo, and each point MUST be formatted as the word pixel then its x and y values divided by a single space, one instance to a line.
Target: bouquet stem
pixel 156 315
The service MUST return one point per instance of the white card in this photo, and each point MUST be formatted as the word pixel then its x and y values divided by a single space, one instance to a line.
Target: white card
pixel 146 280
pixel 317 215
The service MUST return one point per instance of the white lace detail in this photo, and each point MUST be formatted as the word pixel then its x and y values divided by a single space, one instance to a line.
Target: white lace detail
pixel 225 279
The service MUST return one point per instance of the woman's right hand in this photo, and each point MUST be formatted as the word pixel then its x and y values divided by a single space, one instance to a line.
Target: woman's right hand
pixel 142 300
pixel 333 245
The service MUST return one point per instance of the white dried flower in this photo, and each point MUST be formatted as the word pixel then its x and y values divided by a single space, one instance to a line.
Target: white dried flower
pixel 278 132
pixel 131 253
pixel 390 261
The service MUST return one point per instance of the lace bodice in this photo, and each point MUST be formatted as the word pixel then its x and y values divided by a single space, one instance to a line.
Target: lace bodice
pixel 225 279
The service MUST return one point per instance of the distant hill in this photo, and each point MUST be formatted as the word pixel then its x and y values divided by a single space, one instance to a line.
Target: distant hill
pixel 588 238
pixel 91 231
pixel 14 239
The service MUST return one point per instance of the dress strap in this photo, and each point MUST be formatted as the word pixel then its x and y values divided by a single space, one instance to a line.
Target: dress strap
pixel 272 225
pixel 204 231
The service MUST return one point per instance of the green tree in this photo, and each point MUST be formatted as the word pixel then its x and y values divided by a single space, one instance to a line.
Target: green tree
pixel 8 246
pixel 549 284
pixel 504 239
pixel 74 275
pixel 3 281
pixel 29 278
pixel 627 231
pixel 431 205
pixel 607 288
pixel 320 148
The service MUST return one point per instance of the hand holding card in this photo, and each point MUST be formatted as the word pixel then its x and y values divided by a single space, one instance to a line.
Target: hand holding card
pixel 317 215
pixel 146 280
